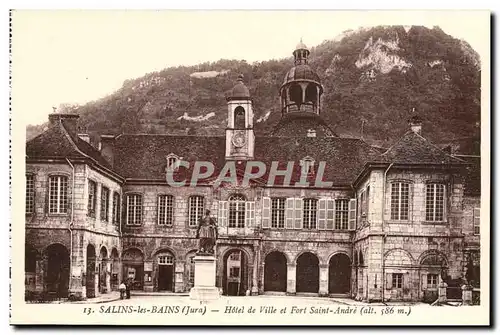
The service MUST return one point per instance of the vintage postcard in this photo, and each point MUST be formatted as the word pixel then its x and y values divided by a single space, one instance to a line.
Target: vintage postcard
pixel 250 167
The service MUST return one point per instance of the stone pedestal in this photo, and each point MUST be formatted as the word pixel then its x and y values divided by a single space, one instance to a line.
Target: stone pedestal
pixel 442 292
pixel 467 295
pixel 204 279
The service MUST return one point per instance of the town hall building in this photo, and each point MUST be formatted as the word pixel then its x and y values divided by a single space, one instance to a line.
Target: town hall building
pixel 384 225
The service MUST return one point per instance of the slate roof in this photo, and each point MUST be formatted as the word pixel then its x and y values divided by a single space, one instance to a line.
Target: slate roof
pixel 297 124
pixel 415 149
pixel 344 157
pixel 301 72
pixel 144 156
pixel 57 142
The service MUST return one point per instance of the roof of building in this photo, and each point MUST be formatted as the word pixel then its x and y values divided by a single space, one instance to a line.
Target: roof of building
pixel 57 142
pixel 239 91
pixel 144 156
pixel 298 123
pixel 412 148
pixel 301 72
pixel 301 46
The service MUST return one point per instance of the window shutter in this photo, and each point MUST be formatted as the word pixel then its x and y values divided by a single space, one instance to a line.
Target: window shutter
pixel 290 211
pixel 388 281
pixel 406 281
pixel 352 214
pixel 424 282
pixel 266 212
pixel 330 213
pixel 249 213
pixel 298 213
pixel 47 196
pixel 222 214
pixel 322 214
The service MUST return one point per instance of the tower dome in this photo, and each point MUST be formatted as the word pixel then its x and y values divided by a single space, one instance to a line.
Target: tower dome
pixel 301 89
pixel 239 92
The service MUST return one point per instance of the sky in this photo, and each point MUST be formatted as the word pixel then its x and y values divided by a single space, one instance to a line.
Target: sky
pixel 76 56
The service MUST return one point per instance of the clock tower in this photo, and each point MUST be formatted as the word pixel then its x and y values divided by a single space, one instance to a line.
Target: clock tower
pixel 240 137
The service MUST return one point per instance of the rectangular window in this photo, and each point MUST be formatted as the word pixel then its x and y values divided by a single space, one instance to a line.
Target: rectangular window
pixel 278 212
pixel 166 260
pixel 134 209
pixel 196 207
pixel 58 195
pixel 30 193
pixel 432 280
pixel 165 210
pixel 104 203
pixel 397 280
pixel 116 208
pixel 477 220
pixel 400 195
pixel 341 213
pixel 92 198
pixel 310 207
pixel 434 202
pixel 236 213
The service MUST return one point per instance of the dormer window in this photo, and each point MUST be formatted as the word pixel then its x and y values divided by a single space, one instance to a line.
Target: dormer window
pixel 307 164
pixel 311 133
pixel 172 161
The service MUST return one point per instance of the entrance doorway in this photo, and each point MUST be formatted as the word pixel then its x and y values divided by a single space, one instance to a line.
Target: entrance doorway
pixel 235 279
pixel 90 279
pixel 166 272
pixel 275 272
pixel 57 270
pixel 307 273
pixel 133 268
pixel 339 274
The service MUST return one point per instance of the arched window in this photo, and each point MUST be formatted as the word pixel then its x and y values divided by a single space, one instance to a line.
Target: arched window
pixel 239 118
pixel 296 95
pixel 237 211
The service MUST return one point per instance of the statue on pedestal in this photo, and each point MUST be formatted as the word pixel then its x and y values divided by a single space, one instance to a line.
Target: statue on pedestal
pixel 207 234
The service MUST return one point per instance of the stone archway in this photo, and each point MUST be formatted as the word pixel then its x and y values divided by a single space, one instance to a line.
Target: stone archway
pixel 57 276
pixel 133 268
pixel 307 273
pixel 90 282
pixel 30 259
pixel 339 274
pixel 103 271
pixel 275 272
pixel 164 270
pixel 115 269
pixel 235 273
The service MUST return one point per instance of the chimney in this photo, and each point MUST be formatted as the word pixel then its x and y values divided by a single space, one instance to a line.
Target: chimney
pixel 415 124
pixel 107 146
pixel 85 137
pixel 69 122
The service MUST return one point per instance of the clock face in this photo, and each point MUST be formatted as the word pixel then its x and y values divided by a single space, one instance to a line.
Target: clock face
pixel 239 140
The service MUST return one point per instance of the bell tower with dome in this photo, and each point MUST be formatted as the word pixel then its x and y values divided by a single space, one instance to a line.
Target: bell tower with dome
pixel 300 100
pixel 240 136
pixel 301 90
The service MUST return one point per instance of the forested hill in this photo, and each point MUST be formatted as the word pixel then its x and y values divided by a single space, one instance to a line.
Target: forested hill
pixel 373 77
